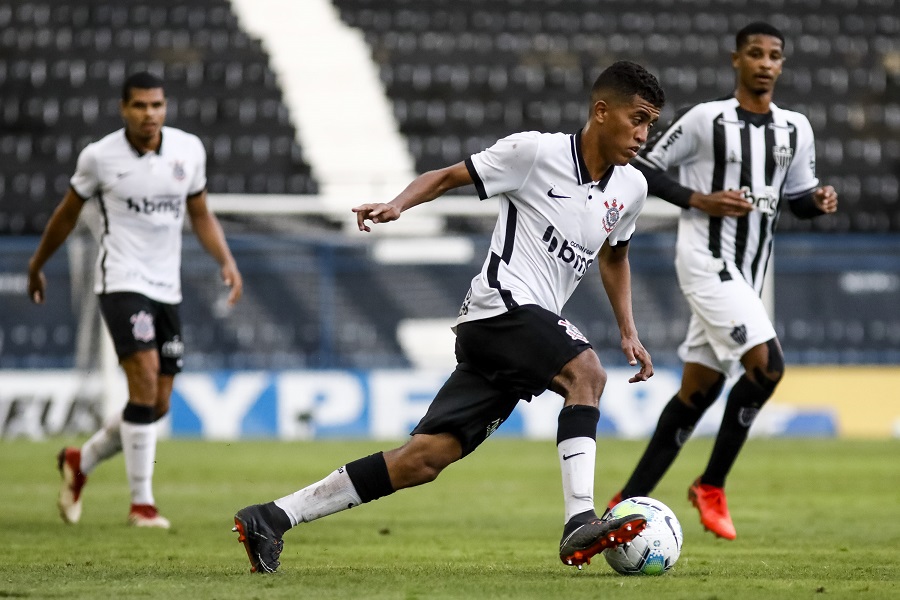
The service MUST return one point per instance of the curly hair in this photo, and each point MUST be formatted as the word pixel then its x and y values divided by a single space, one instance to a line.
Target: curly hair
pixel 142 80
pixel 756 28
pixel 626 79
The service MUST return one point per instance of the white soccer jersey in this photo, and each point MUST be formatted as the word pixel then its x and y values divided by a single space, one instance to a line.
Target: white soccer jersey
pixel 553 220
pixel 719 146
pixel 142 204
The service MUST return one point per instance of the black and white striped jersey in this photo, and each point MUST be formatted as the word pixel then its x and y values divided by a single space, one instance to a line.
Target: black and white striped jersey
pixel 142 200
pixel 553 220
pixel 719 146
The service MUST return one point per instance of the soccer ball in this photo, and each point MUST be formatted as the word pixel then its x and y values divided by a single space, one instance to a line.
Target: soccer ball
pixel 656 548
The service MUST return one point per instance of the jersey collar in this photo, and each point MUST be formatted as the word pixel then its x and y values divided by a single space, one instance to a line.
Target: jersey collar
pixel 137 152
pixel 582 174
pixel 755 119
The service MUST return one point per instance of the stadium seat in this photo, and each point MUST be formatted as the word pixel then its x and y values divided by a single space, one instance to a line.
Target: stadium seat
pixel 61 66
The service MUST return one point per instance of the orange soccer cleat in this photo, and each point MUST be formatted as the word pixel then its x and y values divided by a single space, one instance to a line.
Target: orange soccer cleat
pixel 714 516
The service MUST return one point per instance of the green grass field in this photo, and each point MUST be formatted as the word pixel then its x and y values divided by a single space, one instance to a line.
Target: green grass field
pixel 815 519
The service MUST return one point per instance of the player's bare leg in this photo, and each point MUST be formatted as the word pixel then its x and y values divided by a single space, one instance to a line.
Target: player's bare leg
pixel 261 527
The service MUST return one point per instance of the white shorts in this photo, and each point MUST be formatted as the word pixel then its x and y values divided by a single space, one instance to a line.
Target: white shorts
pixel 727 319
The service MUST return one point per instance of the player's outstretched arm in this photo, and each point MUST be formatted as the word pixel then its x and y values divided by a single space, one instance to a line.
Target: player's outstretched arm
pixel 209 231
pixel 60 225
pixel 615 271
pixel 724 203
pixel 424 188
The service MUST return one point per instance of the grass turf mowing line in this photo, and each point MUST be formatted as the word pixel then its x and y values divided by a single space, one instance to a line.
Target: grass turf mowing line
pixel 813 516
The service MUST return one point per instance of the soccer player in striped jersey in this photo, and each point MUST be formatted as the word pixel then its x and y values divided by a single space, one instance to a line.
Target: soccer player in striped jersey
pixel 739 160
pixel 566 202
pixel 145 177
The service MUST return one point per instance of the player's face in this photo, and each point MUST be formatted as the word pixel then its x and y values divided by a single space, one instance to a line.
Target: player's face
pixel 758 63
pixel 144 113
pixel 626 127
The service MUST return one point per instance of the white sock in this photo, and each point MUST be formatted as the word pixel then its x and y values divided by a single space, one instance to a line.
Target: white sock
pixel 105 443
pixel 576 459
pixel 139 446
pixel 328 496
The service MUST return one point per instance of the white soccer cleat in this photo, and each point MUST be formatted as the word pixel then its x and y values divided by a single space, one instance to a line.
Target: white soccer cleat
pixel 68 461
pixel 146 515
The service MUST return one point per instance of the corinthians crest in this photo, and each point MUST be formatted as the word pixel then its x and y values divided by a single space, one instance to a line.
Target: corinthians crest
pixel 178 170
pixel 613 212
pixel 782 156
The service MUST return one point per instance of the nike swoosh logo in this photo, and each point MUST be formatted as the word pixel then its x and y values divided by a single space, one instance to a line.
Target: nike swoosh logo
pixel 121 175
pixel 672 529
pixel 552 195
pixel 565 457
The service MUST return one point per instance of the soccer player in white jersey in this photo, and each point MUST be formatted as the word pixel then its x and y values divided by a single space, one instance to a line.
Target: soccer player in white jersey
pixel 566 201
pixel 739 159
pixel 145 177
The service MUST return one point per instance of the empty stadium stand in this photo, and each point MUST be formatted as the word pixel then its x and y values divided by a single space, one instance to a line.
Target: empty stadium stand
pixel 61 70
pixel 464 73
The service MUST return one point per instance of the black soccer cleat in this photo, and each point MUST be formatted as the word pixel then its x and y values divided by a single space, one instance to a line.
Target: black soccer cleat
pixel 585 535
pixel 261 541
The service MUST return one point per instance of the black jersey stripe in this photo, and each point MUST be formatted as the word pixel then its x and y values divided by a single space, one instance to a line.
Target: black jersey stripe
pixel 493 270
pixel 104 254
pixel 742 227
pixel 476 179
pixel 718 183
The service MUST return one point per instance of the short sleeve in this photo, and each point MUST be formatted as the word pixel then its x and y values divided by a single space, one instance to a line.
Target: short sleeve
pixel 86 180
pixel 505 166
pixel 801 176
pixel 198 177
pixel 626 228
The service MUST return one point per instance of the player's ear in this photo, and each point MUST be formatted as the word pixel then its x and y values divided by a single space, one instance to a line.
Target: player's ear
pixel 601 107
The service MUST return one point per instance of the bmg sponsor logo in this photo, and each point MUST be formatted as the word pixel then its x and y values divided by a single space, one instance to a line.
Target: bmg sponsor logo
pixel 167 204
pixel 765 202
pixel 571 253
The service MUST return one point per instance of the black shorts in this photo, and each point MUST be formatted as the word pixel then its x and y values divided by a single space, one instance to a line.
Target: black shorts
pixel 136 322
pixel 500 361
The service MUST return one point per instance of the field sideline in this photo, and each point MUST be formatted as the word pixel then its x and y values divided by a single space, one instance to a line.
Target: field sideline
pixel 815 519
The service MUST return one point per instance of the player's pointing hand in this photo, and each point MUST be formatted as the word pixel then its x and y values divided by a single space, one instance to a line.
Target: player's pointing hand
pixel 637 354
pixel 377 213
pixel 232 278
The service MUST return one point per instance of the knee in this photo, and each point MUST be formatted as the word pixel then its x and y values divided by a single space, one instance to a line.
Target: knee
pixel 162 408
pixel 767 374
pixel 591 376
pixel 701 399
pixel 597 379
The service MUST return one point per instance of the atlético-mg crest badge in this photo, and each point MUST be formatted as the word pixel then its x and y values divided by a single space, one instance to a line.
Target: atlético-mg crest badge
pixel 782 156
pixel 613 212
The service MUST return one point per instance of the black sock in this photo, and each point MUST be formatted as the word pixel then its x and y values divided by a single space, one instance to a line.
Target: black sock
pixel 138 413
pixel 275 517
pixel 577 420
pixel 744 402
pixel 370 477
pixel 676 423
